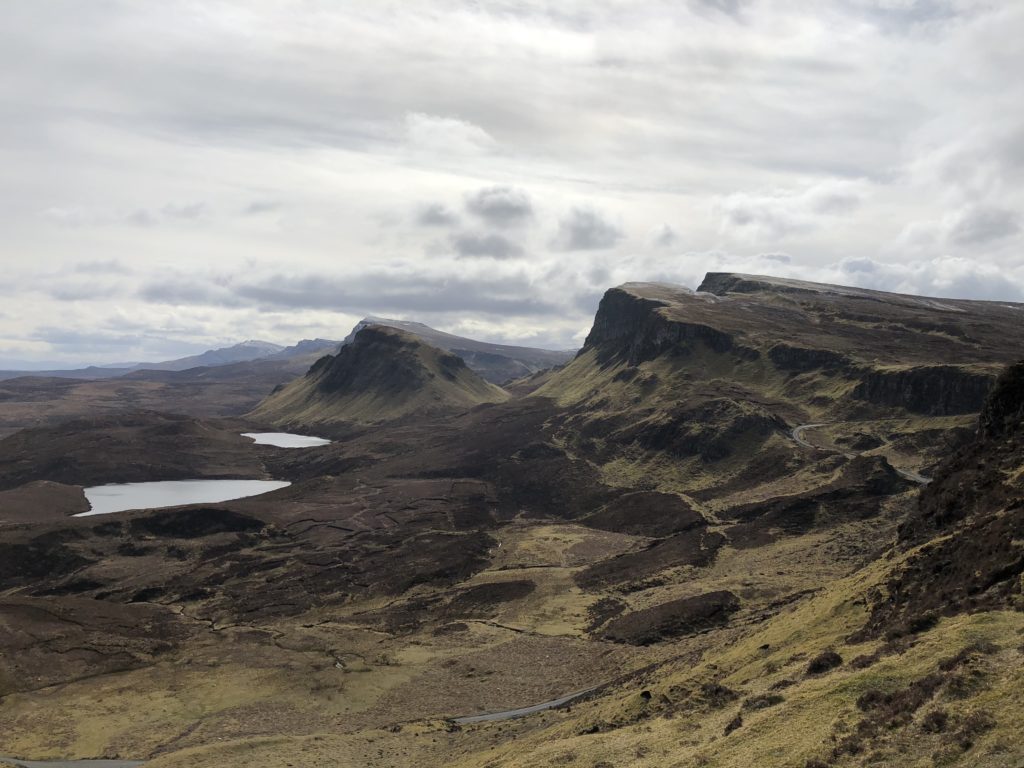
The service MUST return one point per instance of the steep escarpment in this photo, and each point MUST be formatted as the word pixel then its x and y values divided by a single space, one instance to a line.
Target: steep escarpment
pixel 801 359
pixel 720 376
pixel 940 390
pixel 383 374
pixel 629 328
pixel 967 525
pixel 985 475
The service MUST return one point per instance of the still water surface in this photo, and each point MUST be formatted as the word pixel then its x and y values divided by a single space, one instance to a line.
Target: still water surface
pixel 105 499
pixel 285 439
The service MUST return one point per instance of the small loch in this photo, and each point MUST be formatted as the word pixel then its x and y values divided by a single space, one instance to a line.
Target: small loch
pixel 285 439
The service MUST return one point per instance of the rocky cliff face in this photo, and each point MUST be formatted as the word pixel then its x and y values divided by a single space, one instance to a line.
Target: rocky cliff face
pixel 983 476
pixel 802 359
pixel 383 360
pixel 1003 414
pixel 895 350
pixel 496 363
pixel 977 497
pixel 722 375
pixel 629 326
pixel 939 390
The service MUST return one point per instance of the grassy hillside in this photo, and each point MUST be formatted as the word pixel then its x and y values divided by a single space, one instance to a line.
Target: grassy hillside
pixel 642 525
pixel 715 380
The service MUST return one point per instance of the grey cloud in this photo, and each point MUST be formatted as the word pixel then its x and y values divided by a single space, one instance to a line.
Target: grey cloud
pixel 649 110
pixel 179 292
pixel 436 215
pixel 78 291
pixel 586 229
pixel 984 224
pixel 110 342
pixel 500 206
pixel 106 267
pixel 835 202
pixel 942 276
pixel 666 237
pixel 728 7
pixel 388 293
pixel 189 212
pixel 782 212
pixel 256 207
pixel 141 218
pixel 468 244
pixel 862 265
pixel 70 217
pixel 371 292
pixel 898 16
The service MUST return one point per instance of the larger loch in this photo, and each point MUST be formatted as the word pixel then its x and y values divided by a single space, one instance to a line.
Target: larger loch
pixel 107 499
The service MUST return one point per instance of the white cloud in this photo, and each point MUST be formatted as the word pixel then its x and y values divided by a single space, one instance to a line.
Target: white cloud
pixel 982 224
pixel 447 135
pixel 775 214
pixel 239 145
pixel 664 237
pixel 586 229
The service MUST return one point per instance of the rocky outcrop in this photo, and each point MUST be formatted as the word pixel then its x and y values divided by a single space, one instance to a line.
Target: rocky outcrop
pixel 723 283
pixel 496 363
pixel 1004 410
pixel 383 374
pixel 629 328
pixel 697 547
pixel 381 359
pixel 802 359
pixel 978 479
pixel 646 513
pixel 45 556
pixel 856 493
pixel 677 618
pixel 967 525
pixel 710 430
pixel 937 390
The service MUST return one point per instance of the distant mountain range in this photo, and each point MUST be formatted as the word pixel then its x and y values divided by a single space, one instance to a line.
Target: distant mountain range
pixel 243 352
pixel 496 363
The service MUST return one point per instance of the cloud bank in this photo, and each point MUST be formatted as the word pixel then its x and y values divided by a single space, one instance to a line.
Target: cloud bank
pixel 190 173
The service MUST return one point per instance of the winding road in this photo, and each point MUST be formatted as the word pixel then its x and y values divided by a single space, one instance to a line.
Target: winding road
pixel 511 714
pixel 797 434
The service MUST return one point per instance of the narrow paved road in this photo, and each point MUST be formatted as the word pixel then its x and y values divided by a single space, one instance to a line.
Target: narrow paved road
pixel 798 436
pixel 510 714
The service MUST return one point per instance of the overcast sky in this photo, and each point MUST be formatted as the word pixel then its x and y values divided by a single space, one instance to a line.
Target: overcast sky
pixel 183 174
